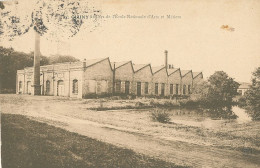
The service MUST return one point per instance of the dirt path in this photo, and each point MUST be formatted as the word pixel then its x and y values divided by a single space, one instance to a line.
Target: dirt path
pixel 72 116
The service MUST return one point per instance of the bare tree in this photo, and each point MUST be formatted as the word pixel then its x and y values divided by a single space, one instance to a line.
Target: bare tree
pixel 55 18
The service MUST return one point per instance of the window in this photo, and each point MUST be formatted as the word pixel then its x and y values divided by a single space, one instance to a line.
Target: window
pixel 118 86
pixel 156 88
pixel 177 89
pixel 48 84
pixel 171 88
pixel 189 91
pixel 146 88
pixel 75 86
pixel 139 88
pixel 162 89
pixel 127 86
pixel 184 89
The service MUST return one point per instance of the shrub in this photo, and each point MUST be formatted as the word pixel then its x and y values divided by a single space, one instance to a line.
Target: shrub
pixel 139 104
pixel 168 104
pixel 152 102
pixel 90 96
pixel 161 116
pixel 242 101
pixel 96 96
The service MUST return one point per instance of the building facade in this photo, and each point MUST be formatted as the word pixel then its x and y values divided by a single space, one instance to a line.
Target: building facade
pixel 123 76
pixel 174 81
pixel 143 77
pixel 186 82
pixel 100 76
pixel 160 81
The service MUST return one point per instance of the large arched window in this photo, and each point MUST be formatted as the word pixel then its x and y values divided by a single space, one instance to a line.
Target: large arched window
pixel 48 85
pixel 75 86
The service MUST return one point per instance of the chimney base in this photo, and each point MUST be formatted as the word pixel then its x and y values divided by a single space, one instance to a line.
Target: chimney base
pixel 36 90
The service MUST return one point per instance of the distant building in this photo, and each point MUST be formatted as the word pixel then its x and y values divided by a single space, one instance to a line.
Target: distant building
pixel 100 76
pixel 243 88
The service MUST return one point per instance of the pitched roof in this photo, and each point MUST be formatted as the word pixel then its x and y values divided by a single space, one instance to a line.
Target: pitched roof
pixel 184 72
pixel 195 74
pixel 157 69
pixel 138 67
pixel 172 70
pixel 119 64
pixel 93 61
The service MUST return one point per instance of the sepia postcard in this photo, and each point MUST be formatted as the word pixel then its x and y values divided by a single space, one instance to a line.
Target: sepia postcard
pixel 130 83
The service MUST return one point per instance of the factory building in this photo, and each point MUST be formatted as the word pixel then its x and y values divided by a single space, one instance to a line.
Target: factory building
pixel 100 76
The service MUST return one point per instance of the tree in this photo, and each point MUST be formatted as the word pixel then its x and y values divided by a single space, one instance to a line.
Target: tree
pixel 57 17
pixel 222 87
pixel 200 91
pixel 2 5
pixel 218 90
pixel 253 95
pixel 53 59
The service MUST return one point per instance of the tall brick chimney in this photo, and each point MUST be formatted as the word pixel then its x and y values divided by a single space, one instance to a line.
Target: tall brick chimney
pixel 36 66
pixel 166 59
pixel 84 63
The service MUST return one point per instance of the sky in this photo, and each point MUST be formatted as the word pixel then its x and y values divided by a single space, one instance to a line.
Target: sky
pixel 195 38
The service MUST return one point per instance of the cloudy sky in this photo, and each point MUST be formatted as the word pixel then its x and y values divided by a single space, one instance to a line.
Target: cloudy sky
pixel 202 35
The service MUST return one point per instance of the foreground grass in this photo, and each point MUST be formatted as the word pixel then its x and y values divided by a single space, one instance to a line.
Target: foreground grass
pixel 30 144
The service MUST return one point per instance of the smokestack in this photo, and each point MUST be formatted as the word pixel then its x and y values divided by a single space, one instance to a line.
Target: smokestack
pixel 166 59
pixel 84 63
pixel 36 67
pixel 114 79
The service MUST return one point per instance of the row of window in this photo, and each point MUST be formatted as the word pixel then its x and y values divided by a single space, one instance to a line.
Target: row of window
pixel 60 82
pixel 48 86
pixel 127 87
pixel 146 88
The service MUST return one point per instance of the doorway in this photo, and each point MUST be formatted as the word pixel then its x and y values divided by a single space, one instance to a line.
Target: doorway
pixel 28 87
pixel 60 88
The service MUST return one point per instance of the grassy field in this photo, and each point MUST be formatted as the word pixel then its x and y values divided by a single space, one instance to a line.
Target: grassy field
pixel 30 144
pixel 186 140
